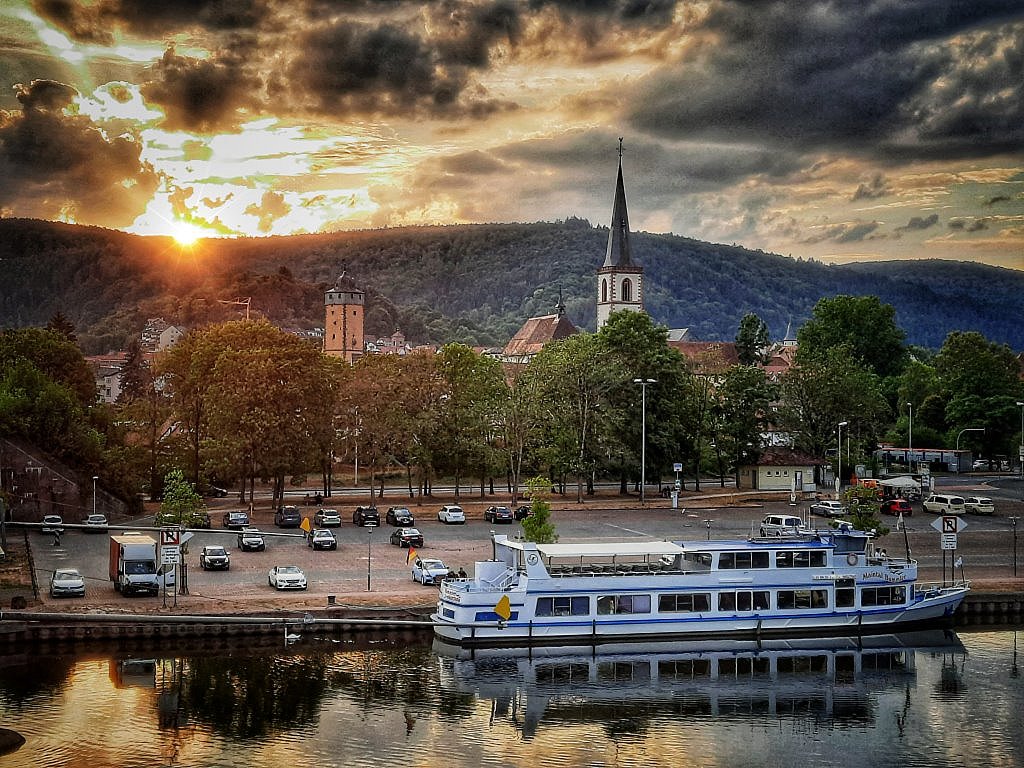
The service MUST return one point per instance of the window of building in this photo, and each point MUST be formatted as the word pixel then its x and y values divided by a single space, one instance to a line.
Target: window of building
pixel 604 290
pixel 627 290
pixel 687 603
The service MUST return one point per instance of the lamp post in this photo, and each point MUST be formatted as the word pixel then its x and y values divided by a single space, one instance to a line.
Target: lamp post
pixel 94 479
pixel 910 438
pixel 707 524
pixel 839 457
pixel 369 538
pixel 969 429
pixel 1013 524
pixel 643 434
pixel 1020 453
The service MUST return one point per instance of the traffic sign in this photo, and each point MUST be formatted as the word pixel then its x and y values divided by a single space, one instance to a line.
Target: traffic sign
pixel 677 467
pixel 949 541
pixel 170 554
pixel 948 524
pixel 170 537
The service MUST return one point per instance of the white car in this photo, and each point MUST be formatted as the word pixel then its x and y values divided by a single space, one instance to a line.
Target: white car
pixel 67 582
pixel 286 577
pixel 96 523
pixel 428 571
pixel 52 524
pixel 826 508
pixel 979 505
pixel 450 513
pixel 327 518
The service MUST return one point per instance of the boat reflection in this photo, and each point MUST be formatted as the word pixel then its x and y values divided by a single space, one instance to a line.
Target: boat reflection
pixel 625 686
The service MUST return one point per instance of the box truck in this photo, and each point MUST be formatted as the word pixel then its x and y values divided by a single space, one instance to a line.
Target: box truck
pixel 135 566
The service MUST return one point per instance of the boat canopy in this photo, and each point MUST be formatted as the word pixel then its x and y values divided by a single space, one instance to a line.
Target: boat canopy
pixel 600 549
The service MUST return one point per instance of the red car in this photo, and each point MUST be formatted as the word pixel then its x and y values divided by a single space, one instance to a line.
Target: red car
pixel 896 507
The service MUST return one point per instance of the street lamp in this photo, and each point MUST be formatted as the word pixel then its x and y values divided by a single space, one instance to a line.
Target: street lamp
pixel 643 434
pixel 839 456
pixel 1013 524
pixel 1020 453
pixel 969 429
pixel 369 538
pixel 910 438
pixel 94 479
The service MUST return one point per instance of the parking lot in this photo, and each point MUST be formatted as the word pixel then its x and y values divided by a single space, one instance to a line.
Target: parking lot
pixel 343 574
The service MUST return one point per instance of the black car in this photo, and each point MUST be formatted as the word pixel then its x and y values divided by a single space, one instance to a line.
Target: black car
pixel 399 516
pixel 322 538
pixel 366 516
pixel 406 537
pixel 288 517
pixel 236 520
pixel 214 558
pixel 522 511
pixel 498 515
pixel 251 540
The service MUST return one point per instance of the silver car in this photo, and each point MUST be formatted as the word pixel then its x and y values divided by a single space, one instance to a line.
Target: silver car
pixel 67 582
pixel 286 577
pixel 429 571
pixel 828 508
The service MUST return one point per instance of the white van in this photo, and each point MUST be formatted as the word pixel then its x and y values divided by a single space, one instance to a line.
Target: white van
pixel 781 525
pixel 940 504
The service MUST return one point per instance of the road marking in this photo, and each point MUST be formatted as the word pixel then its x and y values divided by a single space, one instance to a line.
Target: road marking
pixel 629 530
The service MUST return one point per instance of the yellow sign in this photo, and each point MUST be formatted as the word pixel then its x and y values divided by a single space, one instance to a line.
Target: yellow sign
pixel 305 524
pixel 503 608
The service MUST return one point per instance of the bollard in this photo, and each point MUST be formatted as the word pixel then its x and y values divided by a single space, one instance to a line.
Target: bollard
pixel 331 600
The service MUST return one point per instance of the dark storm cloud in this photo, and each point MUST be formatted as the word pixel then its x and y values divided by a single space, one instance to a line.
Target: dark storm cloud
pixel 917 223
pixel 93 21
pixel 877 187
pixel 847 232
pixel 202 94
pixel 815 74
pixel 657 12
pixel 969 223
pixel 997 199
pixel 61 166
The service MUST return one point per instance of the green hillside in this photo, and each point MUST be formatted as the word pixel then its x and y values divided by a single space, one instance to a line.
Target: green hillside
pixel 469 283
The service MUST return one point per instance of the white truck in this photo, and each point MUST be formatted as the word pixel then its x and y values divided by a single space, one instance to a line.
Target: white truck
pixel 135 566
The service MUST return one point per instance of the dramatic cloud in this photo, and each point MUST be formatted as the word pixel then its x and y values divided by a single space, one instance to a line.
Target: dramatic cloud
pixel 271 208
pixel 919 223
pixel 60 166
pixel 877 187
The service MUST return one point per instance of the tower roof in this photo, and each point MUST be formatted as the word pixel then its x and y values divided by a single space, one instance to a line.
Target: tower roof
pixel 618 253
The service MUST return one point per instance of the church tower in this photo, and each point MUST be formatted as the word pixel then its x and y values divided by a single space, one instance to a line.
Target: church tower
pixel 343 323
pixel 619 280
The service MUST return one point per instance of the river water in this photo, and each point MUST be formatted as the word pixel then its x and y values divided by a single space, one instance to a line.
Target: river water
pixel 924 699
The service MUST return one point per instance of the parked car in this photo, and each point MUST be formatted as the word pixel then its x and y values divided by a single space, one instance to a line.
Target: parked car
pixel 327 518
pixel 322 538
pixel 366 516
pixel 407 537
pixel 288 517
pixel 979 505
pixel 399 516
pixel 213 557
pixel 523 511
pixel 236 520
pixel 199 519
pixel 67 582
pixel 980 465
pixel 95 523
pixel 251 540
pixel 940 504
pixel 828 508
pixel 286 577
pixel 499 515
pixel 216 491
pixel 52 524
pixel 450 513
pixel 429 571
pixel 781 525
pixel 896 507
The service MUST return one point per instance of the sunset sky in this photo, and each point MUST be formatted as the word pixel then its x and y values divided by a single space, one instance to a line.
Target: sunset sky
pixel 841 131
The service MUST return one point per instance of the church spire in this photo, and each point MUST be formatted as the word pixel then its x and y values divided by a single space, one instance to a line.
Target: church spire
pixel 618 253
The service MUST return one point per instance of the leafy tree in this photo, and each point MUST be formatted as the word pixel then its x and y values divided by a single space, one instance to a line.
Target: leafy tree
pixel 538 526
pixel 135 376
pixel 746 397
pixel 182 504
pixel 752 340
pixel 863 325
pixel 52 354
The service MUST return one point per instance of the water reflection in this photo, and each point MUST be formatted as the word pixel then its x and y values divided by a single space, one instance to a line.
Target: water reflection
pixel 625 687
pixel 900 699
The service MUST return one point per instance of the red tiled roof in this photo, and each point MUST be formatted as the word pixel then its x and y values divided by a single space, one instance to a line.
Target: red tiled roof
pixel 705 351
pixel 538 331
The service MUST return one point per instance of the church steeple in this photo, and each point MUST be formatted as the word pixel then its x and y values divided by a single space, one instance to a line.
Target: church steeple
pixel 619 280
pixel 618 253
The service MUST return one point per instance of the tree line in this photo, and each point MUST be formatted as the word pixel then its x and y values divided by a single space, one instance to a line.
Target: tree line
pixel 243 402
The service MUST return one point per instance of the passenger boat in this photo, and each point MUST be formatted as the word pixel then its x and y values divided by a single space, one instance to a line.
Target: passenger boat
pixel 813 583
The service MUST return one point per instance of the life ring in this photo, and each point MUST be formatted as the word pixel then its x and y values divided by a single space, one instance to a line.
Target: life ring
pixel 851 559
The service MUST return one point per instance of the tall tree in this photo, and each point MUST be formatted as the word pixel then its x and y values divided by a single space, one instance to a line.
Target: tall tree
pixel 863 325
pixel 135 377
pixel 59 323
pixel 752 340
pixel 746 397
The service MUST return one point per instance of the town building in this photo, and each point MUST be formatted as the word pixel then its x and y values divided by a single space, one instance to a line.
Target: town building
pixel 620 280
pixel 343 322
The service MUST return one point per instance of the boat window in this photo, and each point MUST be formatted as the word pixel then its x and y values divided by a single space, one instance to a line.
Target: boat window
pixel 805 558
pixel 883 596
pixel 744 600
pixel 699 560
pixel 563 606
pixel 744 666
pixel 684 669
pixel 803 665
pixel 802 598
pixel 624 670
pixel 486 615
pixel 562 673
pixel 844 597
pixel 612 604
pixel 743 560
pixel 688 603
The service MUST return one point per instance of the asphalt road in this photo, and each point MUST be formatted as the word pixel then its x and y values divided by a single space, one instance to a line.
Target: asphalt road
pixel 986 545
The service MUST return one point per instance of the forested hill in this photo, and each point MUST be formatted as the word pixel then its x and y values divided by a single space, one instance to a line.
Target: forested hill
pixel 469 283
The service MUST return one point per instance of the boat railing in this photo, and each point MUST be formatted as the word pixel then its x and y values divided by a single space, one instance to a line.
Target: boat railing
pixel 611 569
pixel 932 588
